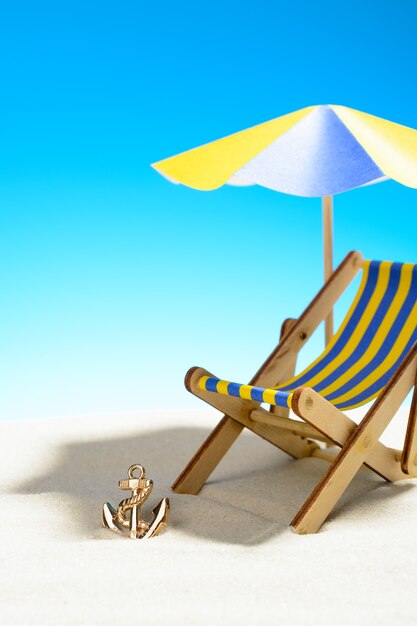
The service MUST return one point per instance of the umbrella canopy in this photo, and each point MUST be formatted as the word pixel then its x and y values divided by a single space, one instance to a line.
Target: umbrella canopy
pixel 318 151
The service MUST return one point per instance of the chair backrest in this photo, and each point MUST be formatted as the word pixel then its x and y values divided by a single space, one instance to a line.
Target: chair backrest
pixel 374 338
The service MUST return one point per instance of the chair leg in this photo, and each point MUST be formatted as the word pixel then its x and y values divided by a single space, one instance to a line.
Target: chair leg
pixel 207 457
pixel 328 491
pixel 338 427
pixel 357 448
pixel 409 455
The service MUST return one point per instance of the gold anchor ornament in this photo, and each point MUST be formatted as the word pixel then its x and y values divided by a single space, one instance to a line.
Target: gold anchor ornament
pixel 128 513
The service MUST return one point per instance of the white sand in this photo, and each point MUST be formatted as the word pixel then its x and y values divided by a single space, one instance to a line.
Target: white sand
pixel 228 556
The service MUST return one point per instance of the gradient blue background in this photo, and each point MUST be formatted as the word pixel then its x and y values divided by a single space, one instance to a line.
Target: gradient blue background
pixel 113 281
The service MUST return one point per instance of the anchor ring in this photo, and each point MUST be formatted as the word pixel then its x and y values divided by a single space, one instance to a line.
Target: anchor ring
pixel 133 468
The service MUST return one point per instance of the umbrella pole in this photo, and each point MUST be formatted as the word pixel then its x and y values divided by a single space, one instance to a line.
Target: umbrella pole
pixel 327 209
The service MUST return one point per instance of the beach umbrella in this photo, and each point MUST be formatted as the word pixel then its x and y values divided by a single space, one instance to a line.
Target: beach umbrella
pixel 318 151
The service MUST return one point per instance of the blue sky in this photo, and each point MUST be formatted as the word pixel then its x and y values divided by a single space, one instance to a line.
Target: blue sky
pixel 113 281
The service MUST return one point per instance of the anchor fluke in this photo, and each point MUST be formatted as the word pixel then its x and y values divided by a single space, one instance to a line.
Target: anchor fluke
pixel 108 516
pixel 161 518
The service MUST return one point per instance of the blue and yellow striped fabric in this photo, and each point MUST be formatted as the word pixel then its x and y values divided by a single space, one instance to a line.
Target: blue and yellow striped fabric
pixel 375 337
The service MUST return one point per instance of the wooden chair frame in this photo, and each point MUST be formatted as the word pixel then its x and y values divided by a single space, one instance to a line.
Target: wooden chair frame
pixel 321 420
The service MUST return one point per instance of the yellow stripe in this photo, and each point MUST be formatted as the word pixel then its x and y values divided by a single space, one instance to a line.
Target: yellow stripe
pixel 244 392
pixel 222 386
pixel 293 381
pixel 202 382
pixel 380 335
pixel 388 362
pixel 211 165
pixel 289 400
pixel 268 396
pixel 392 146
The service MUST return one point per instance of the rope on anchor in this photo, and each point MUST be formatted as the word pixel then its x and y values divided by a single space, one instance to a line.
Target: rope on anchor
pixel 128 503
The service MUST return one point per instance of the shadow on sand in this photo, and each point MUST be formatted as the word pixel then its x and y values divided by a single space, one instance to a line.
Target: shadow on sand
pixel 250 498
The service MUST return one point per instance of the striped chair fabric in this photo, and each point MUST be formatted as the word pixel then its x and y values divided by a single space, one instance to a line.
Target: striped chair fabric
pixel 374 338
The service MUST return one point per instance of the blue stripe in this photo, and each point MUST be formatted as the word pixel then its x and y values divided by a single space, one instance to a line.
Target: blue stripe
pixel 375 324
pixel 211 384
pixel 347 332
pixel 256 394
pixel 281 398
pixel 233 389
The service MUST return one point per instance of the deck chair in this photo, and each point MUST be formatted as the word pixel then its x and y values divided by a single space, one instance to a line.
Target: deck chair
pixel 373 356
